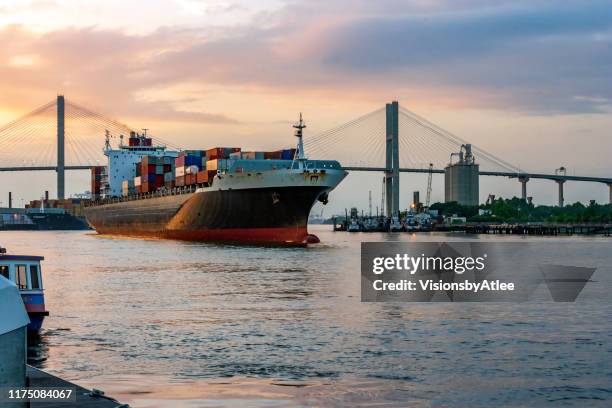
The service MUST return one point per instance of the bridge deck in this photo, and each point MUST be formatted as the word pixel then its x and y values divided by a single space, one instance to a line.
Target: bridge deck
pixel 555 177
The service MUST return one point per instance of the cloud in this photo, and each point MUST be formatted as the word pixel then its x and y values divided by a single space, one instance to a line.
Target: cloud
pixel 538 57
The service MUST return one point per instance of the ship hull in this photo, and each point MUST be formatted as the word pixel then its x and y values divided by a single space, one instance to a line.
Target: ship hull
pixel 270 215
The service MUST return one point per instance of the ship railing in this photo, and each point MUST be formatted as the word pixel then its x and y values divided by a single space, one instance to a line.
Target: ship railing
pixel 141 196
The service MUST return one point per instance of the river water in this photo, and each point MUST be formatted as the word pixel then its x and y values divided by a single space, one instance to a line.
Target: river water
pixel 160 323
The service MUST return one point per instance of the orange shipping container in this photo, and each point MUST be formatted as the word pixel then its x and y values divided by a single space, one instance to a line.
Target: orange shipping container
pixel 202 177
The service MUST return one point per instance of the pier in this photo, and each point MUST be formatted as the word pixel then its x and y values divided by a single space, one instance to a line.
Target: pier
pixel 546 229
pixel 543 229
pixel 84 398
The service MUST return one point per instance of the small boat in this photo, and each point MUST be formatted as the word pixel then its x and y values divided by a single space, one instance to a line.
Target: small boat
pixel 396 225
pixel 24 271
pixel 354 226
pixel 371 224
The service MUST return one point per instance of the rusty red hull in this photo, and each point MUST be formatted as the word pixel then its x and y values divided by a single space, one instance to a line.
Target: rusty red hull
pixel 263 216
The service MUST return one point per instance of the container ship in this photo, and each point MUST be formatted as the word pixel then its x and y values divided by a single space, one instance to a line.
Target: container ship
pixel 221 194
pixel 45 214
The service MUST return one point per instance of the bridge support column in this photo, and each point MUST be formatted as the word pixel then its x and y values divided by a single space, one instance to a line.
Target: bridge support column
pixel 523 181
pixel 561 199
pixel 610 188
pixel 60 148
pixel 392 159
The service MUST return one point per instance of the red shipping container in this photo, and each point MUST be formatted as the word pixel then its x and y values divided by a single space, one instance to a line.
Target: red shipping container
pixel 273 155
pixel 202 177
pixel 180 181
pixel 215 153
pixel 159 179
pixel 147 169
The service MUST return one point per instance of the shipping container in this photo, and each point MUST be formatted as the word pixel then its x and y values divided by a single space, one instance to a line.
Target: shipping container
pixel 216 165
pixel 196 153
pixel 277 155
pixel 145 188
pixel 191 169
pixel 148 169
pixel 127 187
pixel 287 154
pixel 252 155
pixel 221 152
pixel 202 177
pixel 190 158
pixel 180 181
pixel 96 180
pixel 148 160
pixel 168 177
pixel 138 181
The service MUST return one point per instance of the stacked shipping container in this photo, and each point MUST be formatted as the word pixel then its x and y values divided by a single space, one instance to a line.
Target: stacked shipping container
pixel 73 206
pixel 151 173
pixel 189 168
pixel 96 181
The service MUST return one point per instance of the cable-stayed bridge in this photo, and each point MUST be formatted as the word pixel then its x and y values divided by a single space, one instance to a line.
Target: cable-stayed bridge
pixel 61 136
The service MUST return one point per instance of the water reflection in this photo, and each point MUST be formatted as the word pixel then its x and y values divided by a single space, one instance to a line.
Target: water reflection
pixel 164 323
pixel 38 350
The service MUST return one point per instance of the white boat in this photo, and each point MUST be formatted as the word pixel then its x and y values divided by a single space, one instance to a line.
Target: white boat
pixel 24 271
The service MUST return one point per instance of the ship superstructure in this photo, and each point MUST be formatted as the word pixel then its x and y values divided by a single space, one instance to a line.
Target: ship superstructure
pixel 121 162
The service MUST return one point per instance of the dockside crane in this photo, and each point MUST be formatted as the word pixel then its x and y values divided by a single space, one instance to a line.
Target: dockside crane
pixel 429 176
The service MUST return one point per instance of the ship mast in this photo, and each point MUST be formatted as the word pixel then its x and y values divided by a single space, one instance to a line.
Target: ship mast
pixel 107 145
pixel 299 154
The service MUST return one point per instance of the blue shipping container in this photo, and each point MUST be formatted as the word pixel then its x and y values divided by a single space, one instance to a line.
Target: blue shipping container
pixel 193 161
pixel 287 154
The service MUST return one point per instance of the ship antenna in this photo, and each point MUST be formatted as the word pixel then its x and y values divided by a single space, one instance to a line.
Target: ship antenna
pixel 298 133
pixel 107 140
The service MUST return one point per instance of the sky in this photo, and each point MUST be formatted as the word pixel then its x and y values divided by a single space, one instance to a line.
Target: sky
pixel 530 81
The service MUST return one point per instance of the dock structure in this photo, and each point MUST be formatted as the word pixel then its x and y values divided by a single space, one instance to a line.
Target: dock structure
pixel 84 398
pixel 543 229
pixel 549 229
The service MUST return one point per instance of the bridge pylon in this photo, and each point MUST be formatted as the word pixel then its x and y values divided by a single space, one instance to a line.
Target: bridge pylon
pixel 61 177
pixel 392 159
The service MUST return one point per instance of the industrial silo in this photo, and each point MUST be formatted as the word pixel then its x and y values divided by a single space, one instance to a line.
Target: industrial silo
pixel 461 178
